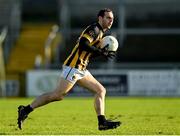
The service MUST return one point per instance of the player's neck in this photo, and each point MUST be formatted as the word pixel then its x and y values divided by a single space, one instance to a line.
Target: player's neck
pixel 104 29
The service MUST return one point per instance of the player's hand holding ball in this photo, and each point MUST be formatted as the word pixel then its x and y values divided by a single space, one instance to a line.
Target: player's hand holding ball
pixel 109 46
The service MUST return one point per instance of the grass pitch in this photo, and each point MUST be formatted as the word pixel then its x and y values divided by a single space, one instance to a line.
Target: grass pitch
pixel 76 116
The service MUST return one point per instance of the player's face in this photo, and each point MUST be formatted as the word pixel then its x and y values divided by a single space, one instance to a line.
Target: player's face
pixel 107 20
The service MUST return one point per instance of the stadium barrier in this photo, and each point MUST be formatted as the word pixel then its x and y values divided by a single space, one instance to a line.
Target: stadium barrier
pixel 2 65
pixel 117 82
pixel 39 82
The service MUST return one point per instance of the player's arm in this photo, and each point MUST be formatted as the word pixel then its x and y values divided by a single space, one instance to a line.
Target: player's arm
pixel 84 44
pixel 86 40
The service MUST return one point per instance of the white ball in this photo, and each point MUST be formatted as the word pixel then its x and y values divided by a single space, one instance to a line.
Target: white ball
pixel 111 41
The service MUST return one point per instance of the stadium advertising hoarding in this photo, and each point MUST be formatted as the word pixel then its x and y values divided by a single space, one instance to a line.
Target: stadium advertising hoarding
pixel 154 82
pixel 40 81
pixel 114 81
pixel 117 82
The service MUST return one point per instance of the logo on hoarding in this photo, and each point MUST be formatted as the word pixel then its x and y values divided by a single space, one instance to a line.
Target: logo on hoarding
pixel 46 83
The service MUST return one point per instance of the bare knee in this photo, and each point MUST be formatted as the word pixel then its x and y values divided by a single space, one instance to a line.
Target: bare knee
pixel 101 92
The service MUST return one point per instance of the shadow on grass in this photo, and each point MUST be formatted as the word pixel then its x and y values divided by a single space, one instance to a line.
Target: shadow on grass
pixel 2 133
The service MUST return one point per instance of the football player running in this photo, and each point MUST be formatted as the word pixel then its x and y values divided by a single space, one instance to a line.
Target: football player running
pixel 74 71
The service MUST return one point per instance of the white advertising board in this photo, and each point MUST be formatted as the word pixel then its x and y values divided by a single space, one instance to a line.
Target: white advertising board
pixel 154 83
pixel 41 81
pixel 117 82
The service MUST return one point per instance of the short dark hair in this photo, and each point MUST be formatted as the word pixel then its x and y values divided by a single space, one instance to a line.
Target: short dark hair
pixel 102 12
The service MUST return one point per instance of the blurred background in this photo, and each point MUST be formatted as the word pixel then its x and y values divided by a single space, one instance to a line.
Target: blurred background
pixel 37 36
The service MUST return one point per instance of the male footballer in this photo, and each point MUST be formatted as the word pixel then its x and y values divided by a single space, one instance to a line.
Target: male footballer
pixel 75 71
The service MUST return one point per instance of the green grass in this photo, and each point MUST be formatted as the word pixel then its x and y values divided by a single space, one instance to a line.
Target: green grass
pixel 139 116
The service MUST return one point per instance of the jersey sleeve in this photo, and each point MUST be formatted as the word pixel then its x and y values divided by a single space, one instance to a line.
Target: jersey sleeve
pixel 91 33
pixel 84 45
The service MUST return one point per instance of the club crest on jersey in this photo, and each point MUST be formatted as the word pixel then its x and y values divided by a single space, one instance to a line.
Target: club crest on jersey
pixel 73 77
pixel 91 33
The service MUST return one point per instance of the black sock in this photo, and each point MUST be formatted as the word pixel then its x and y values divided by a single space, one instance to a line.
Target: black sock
pixel 101 119
pixel 28 109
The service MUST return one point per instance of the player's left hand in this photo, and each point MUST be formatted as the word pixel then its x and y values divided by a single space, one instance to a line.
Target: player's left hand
pixel 111 54
pixel 108 54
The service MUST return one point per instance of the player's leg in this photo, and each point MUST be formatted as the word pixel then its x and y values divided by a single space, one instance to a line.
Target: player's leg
pixel 90 83
pixel 63 87
pixel 61 90
pixel 65 84
pixel 56 95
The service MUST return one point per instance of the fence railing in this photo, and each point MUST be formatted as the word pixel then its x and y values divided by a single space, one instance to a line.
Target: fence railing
pixel 2 65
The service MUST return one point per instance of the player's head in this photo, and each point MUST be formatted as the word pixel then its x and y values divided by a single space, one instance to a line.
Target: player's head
pixel 105 18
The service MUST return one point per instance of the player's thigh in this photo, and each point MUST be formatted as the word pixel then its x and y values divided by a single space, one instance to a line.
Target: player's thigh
pixel 63 86
pixel 90 83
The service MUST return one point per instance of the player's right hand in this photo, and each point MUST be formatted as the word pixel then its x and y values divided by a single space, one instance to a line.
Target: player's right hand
pixel 108 54
pixel 111 55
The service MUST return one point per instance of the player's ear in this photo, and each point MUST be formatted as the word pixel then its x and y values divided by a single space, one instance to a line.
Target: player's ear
pixel 99 17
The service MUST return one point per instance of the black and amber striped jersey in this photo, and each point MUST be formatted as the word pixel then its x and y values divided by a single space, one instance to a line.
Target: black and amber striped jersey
pixel 79 57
